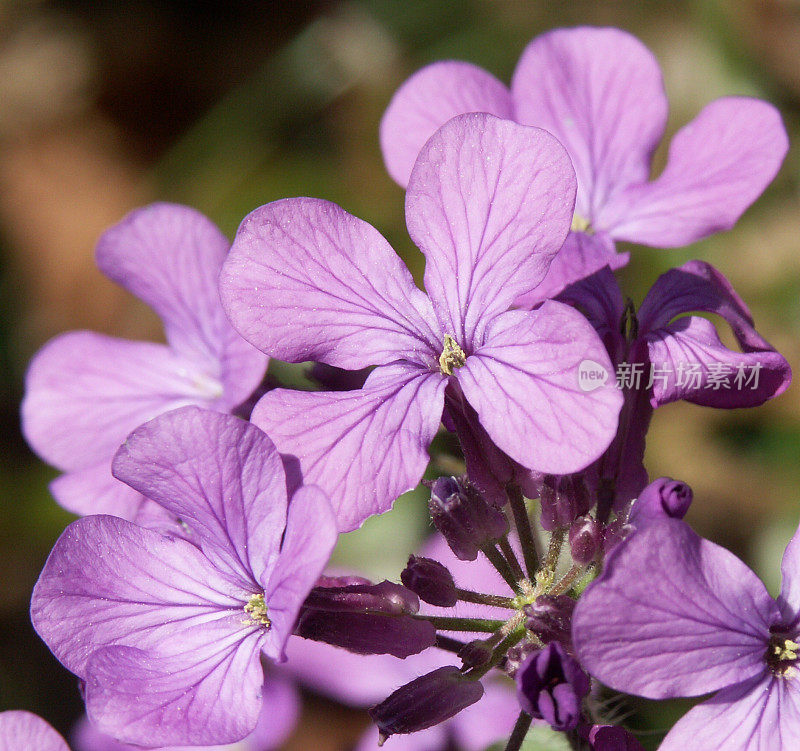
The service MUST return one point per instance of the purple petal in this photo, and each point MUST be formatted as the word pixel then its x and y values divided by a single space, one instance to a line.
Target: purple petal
pixel 170 256
pixel 110 582
pixel 789 599
pixel 307 545
pixel 717 166
pixel 580 256
pixel 697 622
pixel 489 203
pixel 600 92
pixel 525 385
pixel 94 490
pixel 427 100
pixel 85 392
pixel 688 361
pixel 305 280
pixel 220 475
pixel 198 699
pixel 754 716
pixel 24 730
pixel 363 448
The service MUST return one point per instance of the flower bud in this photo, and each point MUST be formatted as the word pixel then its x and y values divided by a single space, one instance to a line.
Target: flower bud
pixel 550 618
pixel 662 497
pixel 466 520
pixel 612 738
pixel 365 618
pixel 516 656
pixel 563 498
pixel 430 581
pixel 425 702
pixel 551 687
pixel 585 539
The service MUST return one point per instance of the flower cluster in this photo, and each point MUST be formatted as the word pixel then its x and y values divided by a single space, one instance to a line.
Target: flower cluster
pixel 193 591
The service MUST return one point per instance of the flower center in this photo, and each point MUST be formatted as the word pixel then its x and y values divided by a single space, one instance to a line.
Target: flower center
pixel 452 356
pixel 581 224
pixel 782 656
pixel 256 610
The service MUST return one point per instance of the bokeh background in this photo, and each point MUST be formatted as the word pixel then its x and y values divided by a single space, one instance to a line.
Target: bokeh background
pixel 105 106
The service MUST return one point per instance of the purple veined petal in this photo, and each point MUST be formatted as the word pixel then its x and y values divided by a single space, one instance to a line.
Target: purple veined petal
pixel 698 286
pixel 170 256
pixel 753 716
pixel 110 582
pixel 84 392
pixel 489 203
pixel 206 697
pixel 581 256
pixel 222 476
pixel 307 545
pixel 363 448
pixel 526 385
pixel 279 711
pixel 25 730
pixel 305 280
pixel 599 298
pixel 789 600
pixel 427 100
pixel 718 165
pixel 688 361
pixel 697 622
pixel 600 92
pixel 94 490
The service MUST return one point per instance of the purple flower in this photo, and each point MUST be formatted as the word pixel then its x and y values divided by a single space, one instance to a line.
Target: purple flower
pixel 664 355
pixel 489 203
pixel 551 687
pixel 24 730
pixel 85 391
pixel 600 92
pixel 662 497
pixel 676 615
pixel 166 632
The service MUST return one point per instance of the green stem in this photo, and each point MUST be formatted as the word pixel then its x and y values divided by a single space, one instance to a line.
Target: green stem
pixel 523 523
pixel 566 581
pixel 501 564
pixel 511 557
pixel 449 644
pixel 554 550
pixel 519 732
pixel 446 623
pixel 497 601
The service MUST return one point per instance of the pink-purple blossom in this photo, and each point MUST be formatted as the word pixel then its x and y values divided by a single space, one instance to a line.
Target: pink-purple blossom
pixel 84 392
pixel 167 631
pixel 489 203
pixel 676 615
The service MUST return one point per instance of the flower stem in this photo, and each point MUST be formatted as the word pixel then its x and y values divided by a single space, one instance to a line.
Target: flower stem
pixel 449 644
pixel 554 550
pixel 447 623
pixel 519 732
pixel 566 581
pixel 511 557
pixel 497 601
pixel 523 523
pixel 501 564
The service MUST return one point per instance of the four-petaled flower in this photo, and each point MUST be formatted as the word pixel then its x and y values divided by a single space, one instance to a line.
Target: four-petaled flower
pixel 489 203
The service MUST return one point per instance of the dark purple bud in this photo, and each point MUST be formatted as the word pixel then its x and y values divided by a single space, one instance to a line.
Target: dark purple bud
pixel 365 618
pixel 612 738
pixel 585 539
pixel 614 533
pixel 430 580
pixel 551 687
pixel 550 618
pixel 464 517
pixel 425 702
pixel 516 657
pixel 563 498
pixel 662 497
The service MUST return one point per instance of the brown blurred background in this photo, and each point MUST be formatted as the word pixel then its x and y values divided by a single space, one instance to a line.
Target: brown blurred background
pixel 226 106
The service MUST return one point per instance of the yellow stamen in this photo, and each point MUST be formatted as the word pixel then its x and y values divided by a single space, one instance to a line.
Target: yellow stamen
pixel 452 356
pixel 256 610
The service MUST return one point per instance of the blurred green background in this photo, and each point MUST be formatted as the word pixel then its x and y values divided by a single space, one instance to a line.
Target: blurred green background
pixel 226 106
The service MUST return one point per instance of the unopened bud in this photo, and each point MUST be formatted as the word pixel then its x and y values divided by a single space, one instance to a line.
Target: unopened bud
pixel 550 618
pixel 366 619
pixel 430 581
pixel 612 738
pixel 425 702
pixel 585 539
pixel 563 498
pixel 464 517
pixel 662 497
